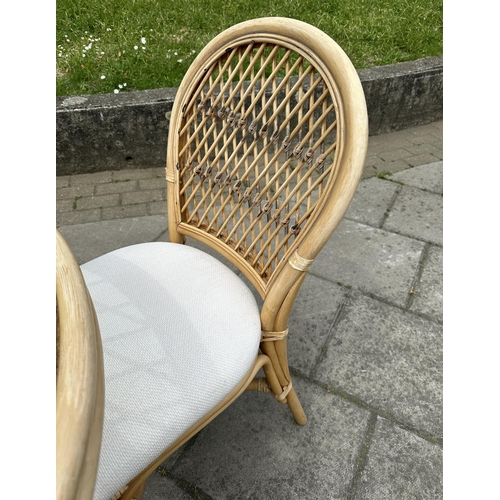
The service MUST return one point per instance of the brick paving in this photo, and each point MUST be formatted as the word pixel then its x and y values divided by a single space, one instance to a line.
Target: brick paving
pixel 121 194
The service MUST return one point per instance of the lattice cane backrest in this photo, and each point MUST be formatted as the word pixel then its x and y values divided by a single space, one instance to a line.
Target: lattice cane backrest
pixel 256 140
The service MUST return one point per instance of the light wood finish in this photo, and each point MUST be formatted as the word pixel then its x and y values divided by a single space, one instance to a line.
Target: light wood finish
pixel 80 381
pixel 267 143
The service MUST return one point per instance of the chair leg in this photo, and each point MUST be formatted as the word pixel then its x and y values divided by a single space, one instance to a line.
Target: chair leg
pixel 296 408
pixel 276 351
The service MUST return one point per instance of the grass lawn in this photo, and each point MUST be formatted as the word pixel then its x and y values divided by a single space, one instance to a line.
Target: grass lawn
pixel 105 46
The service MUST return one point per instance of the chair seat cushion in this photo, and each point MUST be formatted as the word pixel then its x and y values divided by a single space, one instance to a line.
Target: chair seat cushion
pixel 179 332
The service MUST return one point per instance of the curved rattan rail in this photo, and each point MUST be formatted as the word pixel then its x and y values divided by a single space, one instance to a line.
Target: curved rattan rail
pixel 80 381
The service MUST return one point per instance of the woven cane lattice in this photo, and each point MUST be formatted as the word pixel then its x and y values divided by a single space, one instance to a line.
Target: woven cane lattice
pixel 258 144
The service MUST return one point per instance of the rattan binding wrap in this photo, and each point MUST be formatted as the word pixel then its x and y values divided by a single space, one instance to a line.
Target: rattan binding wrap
pixel 299 263
pixel 273 336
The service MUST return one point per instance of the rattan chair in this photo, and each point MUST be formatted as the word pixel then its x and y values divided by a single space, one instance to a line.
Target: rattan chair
pixel 267 143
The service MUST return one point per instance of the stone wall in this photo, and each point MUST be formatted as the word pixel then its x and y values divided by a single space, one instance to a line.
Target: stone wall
pixel 102 132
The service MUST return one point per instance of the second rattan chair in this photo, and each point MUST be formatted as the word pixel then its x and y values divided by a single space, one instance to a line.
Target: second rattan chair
pixel 267 143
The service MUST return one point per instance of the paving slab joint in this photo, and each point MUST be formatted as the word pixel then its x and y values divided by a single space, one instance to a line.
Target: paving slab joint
pixel 418 274
pixel 331 331
pixel 338 391
pixel 362 456
pixel 389 207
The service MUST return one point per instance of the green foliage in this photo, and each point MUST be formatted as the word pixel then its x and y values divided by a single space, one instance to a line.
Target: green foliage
pixel 383 174
pixel 97 38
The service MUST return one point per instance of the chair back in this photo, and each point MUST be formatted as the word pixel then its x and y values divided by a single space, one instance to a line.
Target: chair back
pixel 267 143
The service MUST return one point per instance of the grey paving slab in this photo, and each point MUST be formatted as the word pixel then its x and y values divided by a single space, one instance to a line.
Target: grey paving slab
pixel 143 196
pixel 374 167
pixel 108 200
pixel 75 192
pixel 371 201
pixel 91 179
pixel 424 139
pixel 160 487
pixel 157 207
pixel 378 144
pixel 390 359
pixel 395 154
pixel 401 466
pixel 115 187
pixel 429 177
pixel 62 181
pixel 254 450
pixel 417 214
pixel 122 212
pixel 420 149
pixel 153 183
pixel 134 174
pixel 428 298
pixel 424 159
pixel 78 217
pixel 64 206
pixel 372 260
pixel 94 239
pixel 310 321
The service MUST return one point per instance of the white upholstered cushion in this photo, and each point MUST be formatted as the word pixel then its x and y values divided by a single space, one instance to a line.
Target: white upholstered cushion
pixel 179 332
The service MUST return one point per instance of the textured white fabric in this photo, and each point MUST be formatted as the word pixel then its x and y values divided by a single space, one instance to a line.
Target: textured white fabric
pixel 179 332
